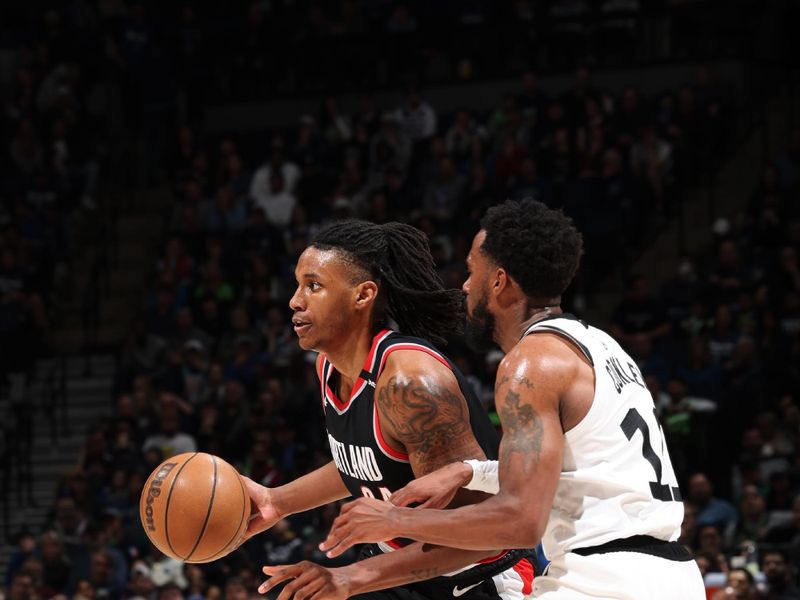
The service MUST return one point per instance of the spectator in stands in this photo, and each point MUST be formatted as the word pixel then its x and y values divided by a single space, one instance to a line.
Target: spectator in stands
pixel 459 138
pixel 753 518
pixel 228 215
pixel 688 526
pixel 170 440
pixel 708 544
pixel 236 589
pixel 334 126
pixel 723 338
pixel 419 118
pixel 261 184
pixel 729 276
pixel 710 510
pixel 778 574
pixel 702 376
pixel 170 591
pixel 443 194
pixel 740 586
pixel 22 587
pixel 69 523
pixel 25 546
pixel 640 314
pixel 239 327
pixel 651 161
pixel 390 148
pixel 102 578
pixel 277 201
pixel 141 584
pixel 282 546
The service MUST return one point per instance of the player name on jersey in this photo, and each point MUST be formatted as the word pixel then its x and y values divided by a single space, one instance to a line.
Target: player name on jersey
pixel 355 461
pixel 621 375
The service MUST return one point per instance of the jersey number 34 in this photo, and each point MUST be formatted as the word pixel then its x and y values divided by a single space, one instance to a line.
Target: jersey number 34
pixel 634 421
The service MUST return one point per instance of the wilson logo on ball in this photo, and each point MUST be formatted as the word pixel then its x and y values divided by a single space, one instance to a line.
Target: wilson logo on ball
pixel 154 492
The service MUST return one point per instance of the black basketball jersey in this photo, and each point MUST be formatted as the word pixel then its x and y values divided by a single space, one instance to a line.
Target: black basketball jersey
pixel 370 467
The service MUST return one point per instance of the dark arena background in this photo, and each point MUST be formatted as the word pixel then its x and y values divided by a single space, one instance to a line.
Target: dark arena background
pixel 163 164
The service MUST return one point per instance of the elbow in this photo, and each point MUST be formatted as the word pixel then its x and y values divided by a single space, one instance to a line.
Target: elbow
pixel 529 533
pixel 524 526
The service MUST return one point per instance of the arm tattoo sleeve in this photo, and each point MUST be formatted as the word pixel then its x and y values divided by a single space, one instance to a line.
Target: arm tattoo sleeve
pixel 522 430
pixel 429 420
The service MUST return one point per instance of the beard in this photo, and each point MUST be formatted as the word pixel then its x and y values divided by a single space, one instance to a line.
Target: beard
pixel 479 326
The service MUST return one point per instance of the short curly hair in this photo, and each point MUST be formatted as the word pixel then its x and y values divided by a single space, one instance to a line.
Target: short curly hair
pixel 539 247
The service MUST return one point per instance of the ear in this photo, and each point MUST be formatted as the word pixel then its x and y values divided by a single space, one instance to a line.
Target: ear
pixel 500 281
pixel 503 287
pixel 366 293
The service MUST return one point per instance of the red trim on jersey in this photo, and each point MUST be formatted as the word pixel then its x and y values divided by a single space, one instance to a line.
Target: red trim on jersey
pixel 320 370
pixel 411 346
pixel 359 382
pixel 525 570
pixel 396 454
pixel 394 544
pixel 493 558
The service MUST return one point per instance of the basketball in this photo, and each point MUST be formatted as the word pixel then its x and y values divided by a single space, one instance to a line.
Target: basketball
pixel 194 507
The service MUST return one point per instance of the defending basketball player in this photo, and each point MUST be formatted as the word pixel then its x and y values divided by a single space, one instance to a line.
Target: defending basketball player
pixel 583 466
pixel 395 409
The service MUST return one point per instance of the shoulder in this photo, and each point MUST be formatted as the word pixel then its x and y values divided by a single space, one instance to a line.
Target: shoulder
pixel 418 375
pixel 415 365
pixel 546 358
pixel 541 352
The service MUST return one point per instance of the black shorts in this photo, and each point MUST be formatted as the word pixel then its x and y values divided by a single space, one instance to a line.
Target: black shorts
pixel 476 583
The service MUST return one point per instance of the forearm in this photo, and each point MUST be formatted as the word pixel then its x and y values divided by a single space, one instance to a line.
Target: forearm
pixel 314 489
pixel 413 563
pixel 499 522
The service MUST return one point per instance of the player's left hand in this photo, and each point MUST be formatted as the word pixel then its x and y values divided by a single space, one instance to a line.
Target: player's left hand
pixel 362 521
pixel 307 580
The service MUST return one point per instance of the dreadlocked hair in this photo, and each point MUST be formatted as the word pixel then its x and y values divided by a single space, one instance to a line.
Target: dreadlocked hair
pixel 398 258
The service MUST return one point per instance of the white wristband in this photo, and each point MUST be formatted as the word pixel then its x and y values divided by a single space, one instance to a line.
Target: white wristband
pixel 484 476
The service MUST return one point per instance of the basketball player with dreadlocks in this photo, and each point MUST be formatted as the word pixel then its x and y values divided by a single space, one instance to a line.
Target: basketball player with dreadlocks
pixel 583 466
pixel 395 409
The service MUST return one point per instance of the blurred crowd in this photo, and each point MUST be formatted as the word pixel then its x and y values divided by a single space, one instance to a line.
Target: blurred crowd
pixel 211 362
pixel 720 347
pixel 48 171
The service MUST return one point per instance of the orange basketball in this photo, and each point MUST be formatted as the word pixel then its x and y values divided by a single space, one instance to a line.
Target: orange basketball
pixel 194 507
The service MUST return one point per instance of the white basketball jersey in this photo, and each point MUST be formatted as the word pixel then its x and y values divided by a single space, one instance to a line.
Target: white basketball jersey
pixel 616 478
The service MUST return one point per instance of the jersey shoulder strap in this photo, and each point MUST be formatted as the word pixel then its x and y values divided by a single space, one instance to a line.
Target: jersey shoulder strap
pixel 398 341
pixel 569 327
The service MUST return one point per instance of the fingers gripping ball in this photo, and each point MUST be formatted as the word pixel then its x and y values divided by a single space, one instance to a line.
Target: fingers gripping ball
pixel 194 507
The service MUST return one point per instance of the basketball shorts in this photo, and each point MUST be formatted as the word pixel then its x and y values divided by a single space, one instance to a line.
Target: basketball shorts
pixel 513 582
pixel 660 571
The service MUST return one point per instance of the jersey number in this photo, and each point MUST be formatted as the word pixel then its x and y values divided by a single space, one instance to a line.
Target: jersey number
pixel 633 421
pixel 367 493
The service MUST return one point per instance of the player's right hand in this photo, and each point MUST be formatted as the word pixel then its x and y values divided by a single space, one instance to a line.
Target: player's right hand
pixel 263 513
pixel 436 489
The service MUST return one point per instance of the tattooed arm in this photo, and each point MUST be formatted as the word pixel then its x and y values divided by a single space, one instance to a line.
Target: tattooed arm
pixel 531 382
pixel 422 411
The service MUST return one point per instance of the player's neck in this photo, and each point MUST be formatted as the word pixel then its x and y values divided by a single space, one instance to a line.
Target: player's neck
pixel 349 355
pixel 512 324
pixel 538 313
pixel 525 314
